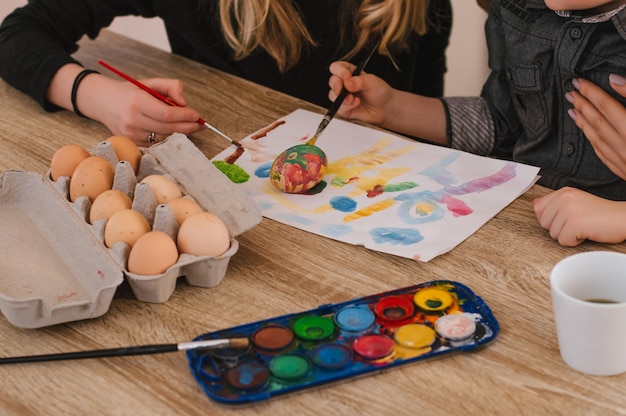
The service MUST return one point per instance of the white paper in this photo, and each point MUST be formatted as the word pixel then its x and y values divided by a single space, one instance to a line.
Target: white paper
pixel 385 192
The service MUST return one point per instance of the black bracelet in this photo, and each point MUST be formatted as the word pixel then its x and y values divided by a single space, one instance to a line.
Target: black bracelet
pixel 82 74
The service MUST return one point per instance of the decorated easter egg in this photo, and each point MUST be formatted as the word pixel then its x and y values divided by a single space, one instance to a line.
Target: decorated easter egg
pixel 298 169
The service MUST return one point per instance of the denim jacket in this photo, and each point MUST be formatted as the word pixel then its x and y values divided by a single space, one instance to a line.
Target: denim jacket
pixel 522 113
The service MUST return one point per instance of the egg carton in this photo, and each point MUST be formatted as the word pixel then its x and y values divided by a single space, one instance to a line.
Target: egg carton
pixel 57 268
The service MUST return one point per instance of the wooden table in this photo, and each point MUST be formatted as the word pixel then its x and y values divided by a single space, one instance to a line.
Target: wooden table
pixel 507 262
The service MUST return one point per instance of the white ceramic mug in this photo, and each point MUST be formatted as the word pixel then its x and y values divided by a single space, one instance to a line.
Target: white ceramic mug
pixel 589 301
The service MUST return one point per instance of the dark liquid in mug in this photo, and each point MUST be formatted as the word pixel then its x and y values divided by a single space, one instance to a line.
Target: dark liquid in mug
pixel 600 300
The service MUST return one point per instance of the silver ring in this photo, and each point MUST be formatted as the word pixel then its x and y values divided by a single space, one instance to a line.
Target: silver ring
pixel 152 138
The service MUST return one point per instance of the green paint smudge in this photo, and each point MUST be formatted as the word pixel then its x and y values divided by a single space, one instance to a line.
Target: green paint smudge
pixel 234 172
pixel 402 186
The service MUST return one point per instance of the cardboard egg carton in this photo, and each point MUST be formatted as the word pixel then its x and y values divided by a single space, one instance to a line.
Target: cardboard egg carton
pixel 57 267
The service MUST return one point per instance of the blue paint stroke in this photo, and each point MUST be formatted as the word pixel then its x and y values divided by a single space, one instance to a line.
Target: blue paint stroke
pixel 263 170
pixel 296 218
pixel 266 205
pixel 438 172
pixel 336 230
pixel 408 212
pixel 392 235
pixel 343 203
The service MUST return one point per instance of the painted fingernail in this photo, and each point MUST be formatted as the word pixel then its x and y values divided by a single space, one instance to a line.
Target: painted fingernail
pixel 572 114
pixel 569 97
pixel 617 80
pixel 576 83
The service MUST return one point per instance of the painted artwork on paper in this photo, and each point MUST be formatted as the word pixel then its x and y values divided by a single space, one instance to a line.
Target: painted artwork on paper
pixel 382 191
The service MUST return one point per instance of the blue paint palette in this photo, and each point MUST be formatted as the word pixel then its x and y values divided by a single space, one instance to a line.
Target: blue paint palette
pixel 339 341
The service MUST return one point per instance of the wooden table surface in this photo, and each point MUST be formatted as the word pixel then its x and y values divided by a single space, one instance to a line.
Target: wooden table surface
pixel 507 263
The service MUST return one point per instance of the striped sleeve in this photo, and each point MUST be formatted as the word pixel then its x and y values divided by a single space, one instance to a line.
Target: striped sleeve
pixel 470 125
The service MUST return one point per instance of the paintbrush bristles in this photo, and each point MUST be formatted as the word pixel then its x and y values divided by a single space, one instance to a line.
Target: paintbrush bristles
pixel 239 343
pixel 214 343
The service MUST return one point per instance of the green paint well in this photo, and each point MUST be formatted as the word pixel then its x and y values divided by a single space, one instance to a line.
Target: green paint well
pixel 289 367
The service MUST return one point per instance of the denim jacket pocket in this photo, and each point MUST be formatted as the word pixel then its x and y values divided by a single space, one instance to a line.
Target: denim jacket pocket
pixel 529 96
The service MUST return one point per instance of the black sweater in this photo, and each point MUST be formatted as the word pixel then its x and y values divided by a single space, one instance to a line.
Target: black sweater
pixel 36 40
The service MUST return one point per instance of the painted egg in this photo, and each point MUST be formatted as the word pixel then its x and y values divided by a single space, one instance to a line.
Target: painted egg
pixel 66 159
pixel 91 177
pixel 298 169
pixel 153 253
pixel 126 149
pixel 163 188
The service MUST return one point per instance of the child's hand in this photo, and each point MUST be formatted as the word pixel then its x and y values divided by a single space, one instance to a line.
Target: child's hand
pixel 369 96
pixel 603 121
pixel 573 216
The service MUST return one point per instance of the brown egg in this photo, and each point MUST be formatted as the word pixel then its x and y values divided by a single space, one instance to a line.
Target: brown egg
pixel 126 225
pixel 203 234
pixel 107 204
pixel 183 208
pixel 126 149
pixel 92 176
pixel 66 159
pixel 163 188
pixel 153 253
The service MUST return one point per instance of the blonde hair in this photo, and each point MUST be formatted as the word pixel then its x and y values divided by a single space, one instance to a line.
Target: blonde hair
pixel 277 27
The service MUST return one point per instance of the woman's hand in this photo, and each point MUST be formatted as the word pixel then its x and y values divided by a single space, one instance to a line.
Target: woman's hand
pixel 573 216
pixel 124 108
pixel 603 120
pixel 132 112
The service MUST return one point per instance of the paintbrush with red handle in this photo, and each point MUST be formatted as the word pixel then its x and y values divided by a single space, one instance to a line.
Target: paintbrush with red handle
pixel 163 98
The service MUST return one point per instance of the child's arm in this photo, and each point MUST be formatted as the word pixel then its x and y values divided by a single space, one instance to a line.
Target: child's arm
pixel 373 101
pixel 603 120
pixel 573 216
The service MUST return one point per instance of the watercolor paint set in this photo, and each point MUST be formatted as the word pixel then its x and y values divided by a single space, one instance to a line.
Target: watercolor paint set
pixel 340 341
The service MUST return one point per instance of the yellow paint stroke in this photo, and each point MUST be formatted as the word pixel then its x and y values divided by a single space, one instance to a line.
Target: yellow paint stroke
pixel 280 197
pixel 355 165
pixel 424 208
pixel 283 200
pixel 323 208
pixel 369 210
pixel 367 183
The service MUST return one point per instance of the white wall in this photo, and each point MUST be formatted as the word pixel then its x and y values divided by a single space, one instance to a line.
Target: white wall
pixel 467 55
pixel 8 5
